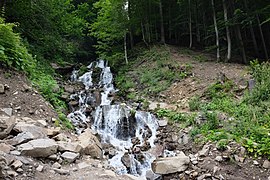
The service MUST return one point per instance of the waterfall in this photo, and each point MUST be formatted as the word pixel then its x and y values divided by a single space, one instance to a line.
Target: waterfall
pixel 117 124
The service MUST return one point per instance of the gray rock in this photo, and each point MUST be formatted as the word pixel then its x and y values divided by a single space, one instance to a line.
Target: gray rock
pixel 205 150
pixel 107 174
pixel 242 151
pixel 69 89
pixel 16 164
pixel 171 164
pixel 16 153
pixel 69 146
pixel 12 173
pixel 52 157
pixel 70 156
pixel 174 138
pixel 6 125
pixel 125 159
pixel 2 89
pixel 36 132
pixel 53 131
pixel 56 165
pixel 62 171
pixel 8 111
pixel 19 170
pixel 38 148
pixel 256 163
pixel 83 165
pixel 41 123
pixel 183 139
pixel 6 148
pixel 90 144
pixel 163 123
pixel 21 138
pixel 219 159
pixel 40 168
pixel 266 164
pixel 202 177
pixel 239 159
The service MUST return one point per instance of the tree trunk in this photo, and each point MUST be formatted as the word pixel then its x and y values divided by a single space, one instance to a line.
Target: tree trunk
pixel 229 50
pixel 262 37
pixel 254 41
pixel 216 29
pixel 198 34
pixel 204 29
pixel 238 33
pixel 162 34
pixel 125 48
pixel 170 24
pixel 130 28
pixel 190 25
pixel 143 35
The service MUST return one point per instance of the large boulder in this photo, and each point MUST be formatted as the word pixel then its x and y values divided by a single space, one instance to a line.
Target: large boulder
pixel 6 125
pixel 38 148
pixel 35 131
pixel 169 165
pixel 90 144
pixel 69 146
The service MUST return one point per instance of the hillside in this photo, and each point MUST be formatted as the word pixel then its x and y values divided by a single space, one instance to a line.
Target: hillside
pixel 191 128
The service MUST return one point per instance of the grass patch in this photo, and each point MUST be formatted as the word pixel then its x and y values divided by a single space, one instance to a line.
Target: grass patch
pixel 152 72
pixel 248 119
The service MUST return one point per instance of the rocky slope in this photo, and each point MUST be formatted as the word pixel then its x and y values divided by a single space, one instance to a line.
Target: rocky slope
pixel 32 148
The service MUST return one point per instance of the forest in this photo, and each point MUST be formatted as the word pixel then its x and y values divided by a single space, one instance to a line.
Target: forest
pixel 65 30
pixel 158 50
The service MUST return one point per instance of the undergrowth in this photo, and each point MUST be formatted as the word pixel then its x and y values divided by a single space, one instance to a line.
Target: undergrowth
pixel 14 55
pixel 247 120
pixel 152 71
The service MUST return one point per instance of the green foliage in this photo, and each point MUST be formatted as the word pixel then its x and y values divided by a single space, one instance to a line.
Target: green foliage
pixel 194 103
pixel 83 69
pixel 188 119
pixel 53 28
pixel 13 52
pixel 222 144
pixel 248 119
pixel 66 122
pixel 156 71
pixel 110 28
pixel 261 91
pixel 200 58
pixel 219 89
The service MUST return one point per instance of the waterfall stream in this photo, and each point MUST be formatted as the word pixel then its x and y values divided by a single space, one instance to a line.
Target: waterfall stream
pixel 117 124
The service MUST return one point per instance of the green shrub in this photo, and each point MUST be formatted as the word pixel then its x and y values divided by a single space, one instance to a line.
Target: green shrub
pixel 248 119
pixel 155 71
pixel 66 122
pixel 13 52
pixel 222 144
pixel 194 103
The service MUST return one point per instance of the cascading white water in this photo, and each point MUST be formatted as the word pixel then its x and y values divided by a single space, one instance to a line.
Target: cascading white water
pixel 117 124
